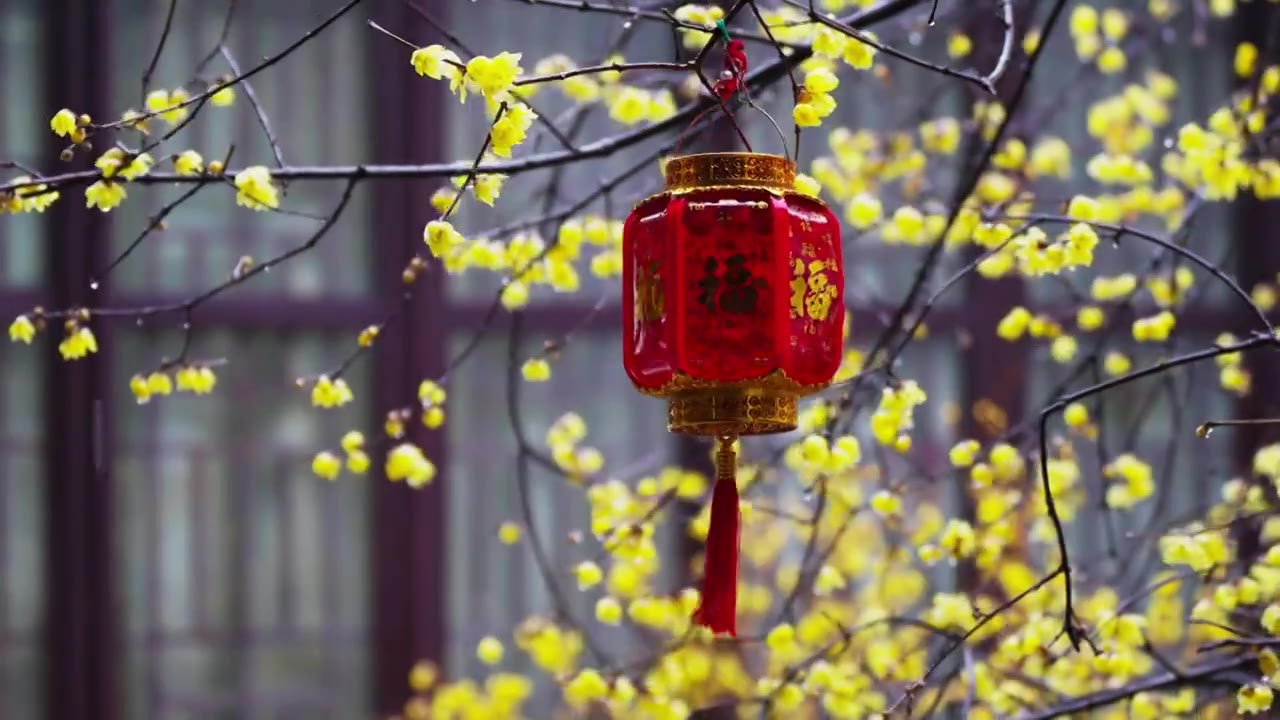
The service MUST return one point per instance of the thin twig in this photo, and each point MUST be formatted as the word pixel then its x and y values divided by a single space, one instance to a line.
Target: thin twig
pixel 222 37
pixel 541 117
pixel 155 222
pixel 1104 698
pixel 1119 231
pixel 155 56
pixel 1204 428
pixel 258 111
pixel 858 36
pixel 270 61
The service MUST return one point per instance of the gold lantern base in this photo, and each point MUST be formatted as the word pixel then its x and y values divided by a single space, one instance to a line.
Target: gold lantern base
pixel 733 410
pixel 762 406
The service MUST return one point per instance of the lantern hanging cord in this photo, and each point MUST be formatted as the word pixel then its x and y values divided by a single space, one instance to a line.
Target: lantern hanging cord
pixel 733 79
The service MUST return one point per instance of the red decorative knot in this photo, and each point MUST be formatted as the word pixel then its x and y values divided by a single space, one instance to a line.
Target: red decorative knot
pixel 733 77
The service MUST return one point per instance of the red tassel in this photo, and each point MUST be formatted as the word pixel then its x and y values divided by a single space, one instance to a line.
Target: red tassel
pixel 718 608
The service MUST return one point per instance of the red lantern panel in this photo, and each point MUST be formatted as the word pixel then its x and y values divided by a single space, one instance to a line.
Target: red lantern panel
pixel 815 302
pixel 646 317
pixel 728 252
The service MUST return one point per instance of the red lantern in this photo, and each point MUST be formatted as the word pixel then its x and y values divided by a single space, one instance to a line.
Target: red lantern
pixel 733 309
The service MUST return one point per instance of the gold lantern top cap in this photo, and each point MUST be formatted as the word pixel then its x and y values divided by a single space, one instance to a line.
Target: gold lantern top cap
pixel 707 171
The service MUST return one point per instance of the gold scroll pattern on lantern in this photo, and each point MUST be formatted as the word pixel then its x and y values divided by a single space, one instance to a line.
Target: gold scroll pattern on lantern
pixel 649 299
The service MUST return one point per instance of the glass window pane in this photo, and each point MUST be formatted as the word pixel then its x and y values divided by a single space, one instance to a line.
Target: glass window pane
pixel 22 134
pixel 22 532
pixel 208 234
pixel 492 587
pixel 22 528
pixel 245 577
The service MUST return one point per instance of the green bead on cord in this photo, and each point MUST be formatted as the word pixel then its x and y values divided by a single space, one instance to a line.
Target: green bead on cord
pixel 724 30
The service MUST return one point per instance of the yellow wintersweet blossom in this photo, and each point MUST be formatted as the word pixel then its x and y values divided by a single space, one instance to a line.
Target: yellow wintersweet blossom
pixel 608 611
pixel 1112 60
pixel 1254 698
pixel 1090 317
pixel 188 162
pixel 1116 363
pixel 490 650
pixel 326 465
pixel 433 417
pixel 138 386
pixel 509 533
pixel 858 54
pixel 1076 415
pixel 704 15
pixel 78 343
pixel 433 61
pixel 329 393
pixel 806 115
pixel 167 104
pixel 588 575
pixel 441 238
pixel 358 462
pixel 806 185
pixel 36 197
pixel 511 129
pixel 864 211
pixel 406 462
pixel 493 76
pixel 1246 59
pixel 629 106
pixel 886 503
pixel 430 393
pixel 222 95
pixel 1155 328
pixel 963 453
pixel 22 330
pixel 941 136
pixel 829 43
pixel 536 370
pixel 1014 324
pixel 159 383
pixel 893 417
pixel 104 195
pixel 63 123
pixel 255 189
pixel 487 187
pixel 1063 348
pixel 1083 21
